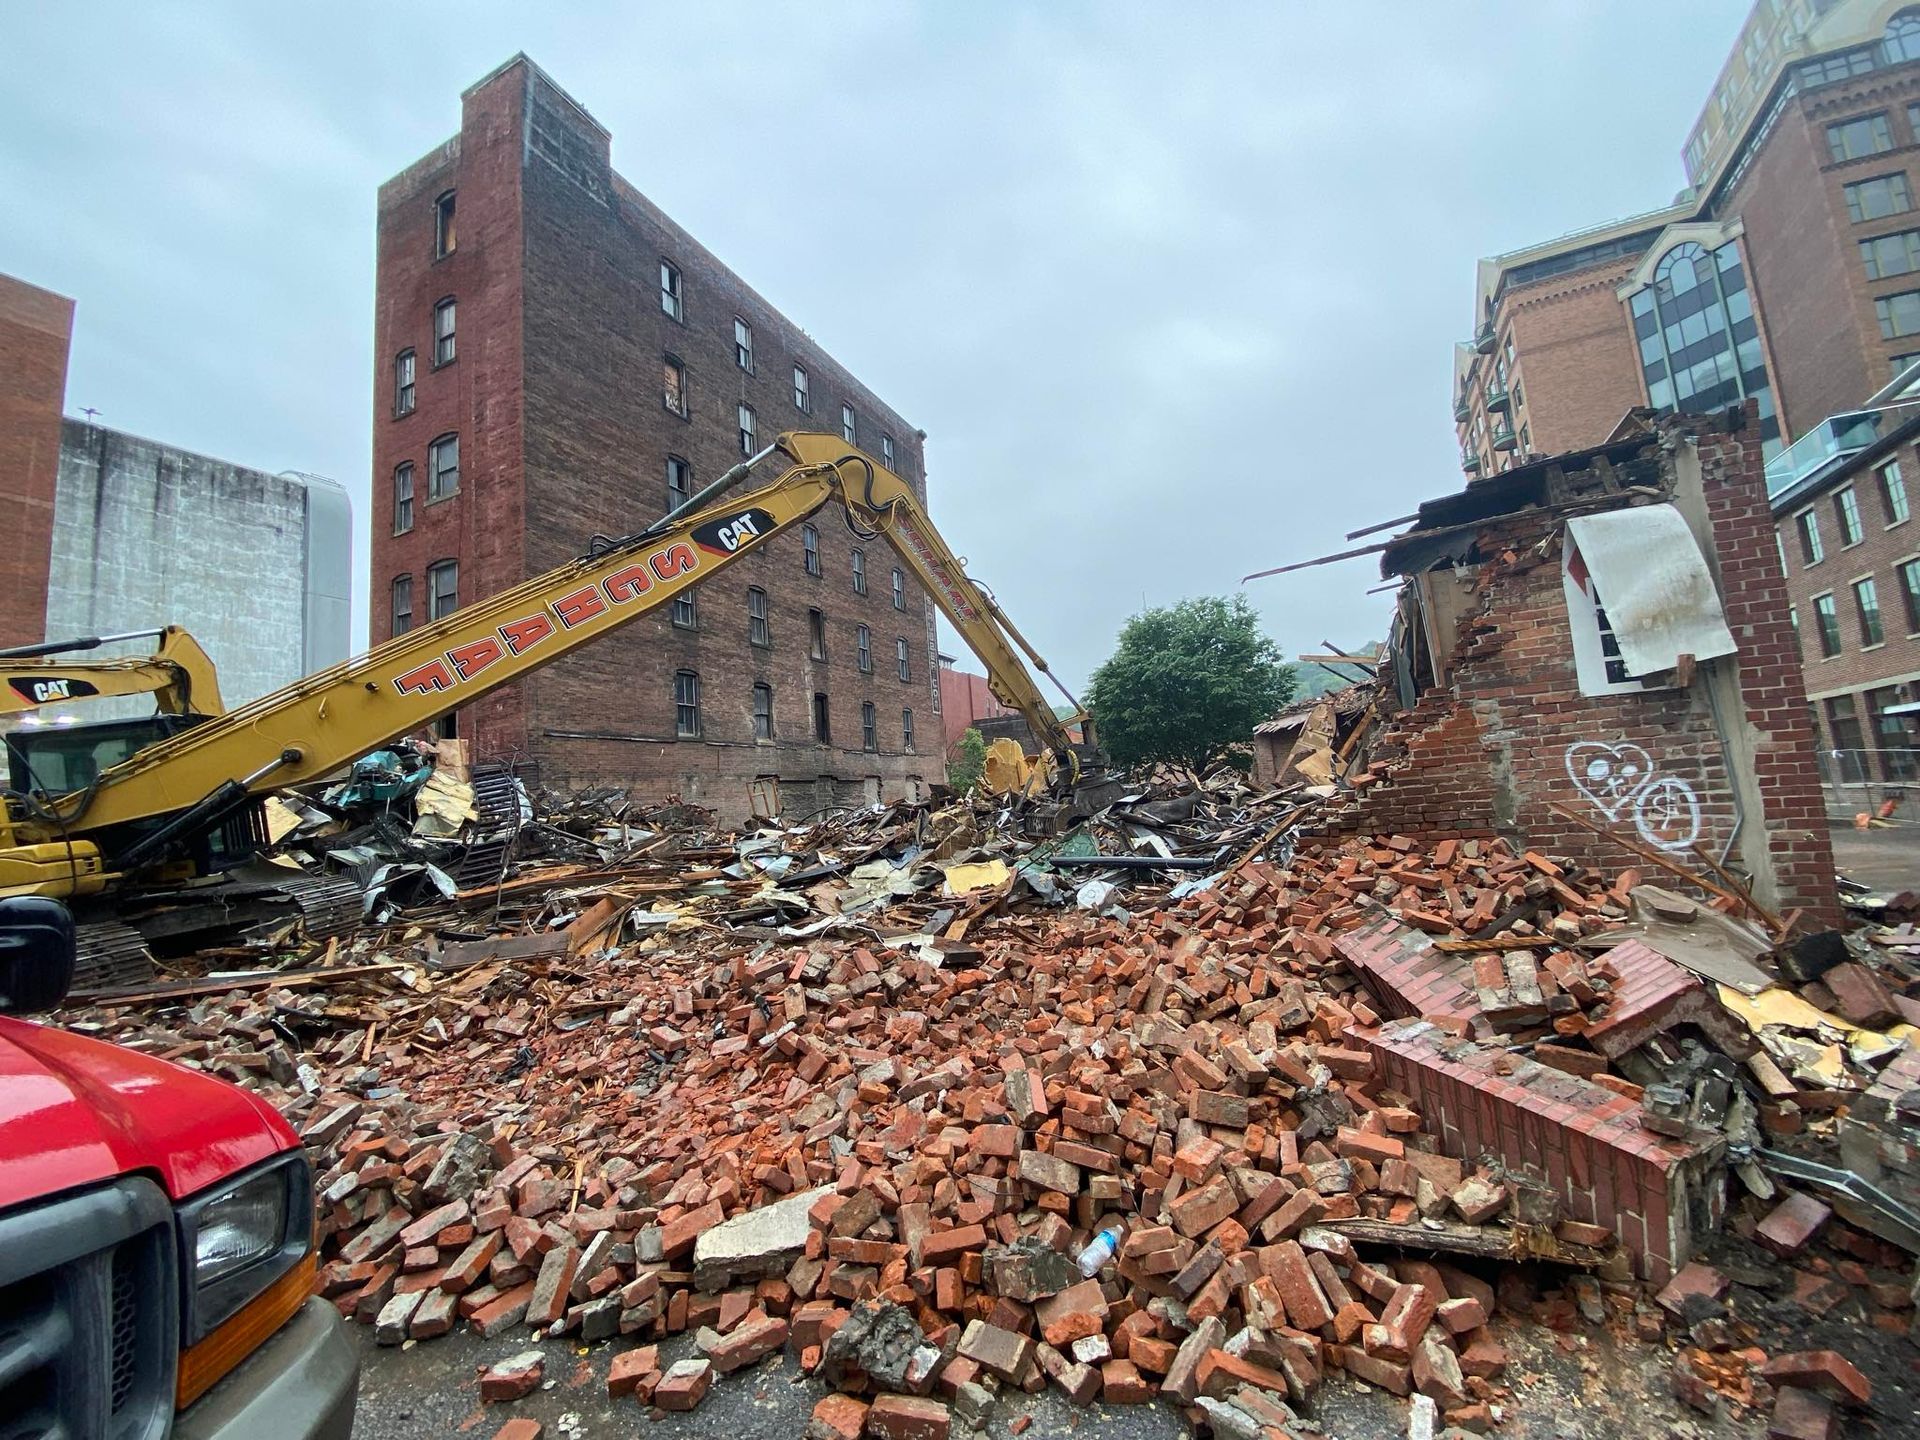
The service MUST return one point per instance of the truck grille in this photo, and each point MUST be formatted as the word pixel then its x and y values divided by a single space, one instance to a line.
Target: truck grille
pixel 87 1289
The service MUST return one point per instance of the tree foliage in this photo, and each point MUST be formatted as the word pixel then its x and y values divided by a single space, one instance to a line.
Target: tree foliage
pixel 967 759
pixel 1187 681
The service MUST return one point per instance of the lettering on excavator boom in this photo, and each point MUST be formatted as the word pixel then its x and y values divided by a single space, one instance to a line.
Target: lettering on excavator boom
pixel 517 637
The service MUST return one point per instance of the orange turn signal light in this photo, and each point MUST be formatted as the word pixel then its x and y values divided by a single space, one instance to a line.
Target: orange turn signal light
pixel 203 1365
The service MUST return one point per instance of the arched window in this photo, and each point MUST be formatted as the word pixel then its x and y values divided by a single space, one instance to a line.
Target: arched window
pixel 1903 37
pixel 1699 343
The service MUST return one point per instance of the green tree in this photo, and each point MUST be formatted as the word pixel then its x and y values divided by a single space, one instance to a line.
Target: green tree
pixel 967 759
pixel 1186 682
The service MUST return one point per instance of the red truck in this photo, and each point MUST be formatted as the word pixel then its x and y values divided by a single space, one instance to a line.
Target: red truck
pixel 156 1237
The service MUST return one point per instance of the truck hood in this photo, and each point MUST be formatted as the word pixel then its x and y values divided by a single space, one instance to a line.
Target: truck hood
pixel 76 1111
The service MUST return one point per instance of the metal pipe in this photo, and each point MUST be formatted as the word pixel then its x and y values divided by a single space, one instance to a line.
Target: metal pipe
pixel 708 493
pixel 1133 862
pixel 89 642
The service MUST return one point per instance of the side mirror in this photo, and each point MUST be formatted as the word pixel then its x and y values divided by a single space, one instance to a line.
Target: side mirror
pixel 36 954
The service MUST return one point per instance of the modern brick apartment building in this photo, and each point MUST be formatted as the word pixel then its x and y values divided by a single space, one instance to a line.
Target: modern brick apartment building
pixel 36 327
pixel 556 358
pixel 1786 272
pixel 1851 550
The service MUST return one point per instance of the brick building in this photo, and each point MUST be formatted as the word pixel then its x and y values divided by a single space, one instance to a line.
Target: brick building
pixel 966 699
pixel 1787 272
pixel 556 358
pixel 1843 503
pixel 1673 713
pixel 36 327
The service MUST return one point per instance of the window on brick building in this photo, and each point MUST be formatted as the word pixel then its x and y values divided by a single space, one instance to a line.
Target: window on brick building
pixel 848 430
pixel 1865 135
pixel 443 467
pixel 403 384
pixel 1827 617
pixel 899 590
pixel 402 605
pixel 802 396
pixel 673 385
pixel 816 634
pixel 1898 314
pixel 822 720
pixel 1846 514
pixel 1699 339
pixel 403 497
pixel 686 610
pixel 869 727
pixel 1891 735
pixel 903 658
pixel 743 344
pixel 886 453
pixel 1780 544
pixel 1893 492
pixel 1843 724
pixel 1808 523
pixel 763 712
pixel 1866 603
pixel 747 428
pixel 1910 593
pixel 863 650
pixel 810 549
pixel 443 325
pixel 1885 256
pixel 1900 363
pixel 1902 40
pixel 686 704
pixel 859 572
pixel 1879 197
pixel 443 233
pixel 670 290
pixel 679 481
pixel 758 632
pixel 906 731
pixel 443 588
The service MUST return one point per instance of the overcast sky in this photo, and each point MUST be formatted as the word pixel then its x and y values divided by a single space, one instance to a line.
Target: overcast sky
pixel 1172 290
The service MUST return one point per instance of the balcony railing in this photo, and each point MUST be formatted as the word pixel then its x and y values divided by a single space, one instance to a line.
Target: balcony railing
pixel 1483 338
pixel 1503 437
pixel 1462 408
pixel 1830 442
pixel 1470 462
pixel 1498 397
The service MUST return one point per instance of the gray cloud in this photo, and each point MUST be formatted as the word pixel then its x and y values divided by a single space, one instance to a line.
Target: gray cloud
pixel 1172 290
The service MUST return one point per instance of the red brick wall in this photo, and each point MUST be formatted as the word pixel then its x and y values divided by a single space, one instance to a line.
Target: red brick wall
pixel 35 329
pixel 563 258
pixel 1488 753
pixel 1574 357
pixel 968 701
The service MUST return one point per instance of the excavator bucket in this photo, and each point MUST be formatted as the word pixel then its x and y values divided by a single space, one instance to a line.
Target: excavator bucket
pixel 1008 769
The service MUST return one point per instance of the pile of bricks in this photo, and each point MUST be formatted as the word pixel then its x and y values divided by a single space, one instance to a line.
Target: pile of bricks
pixel 886 1157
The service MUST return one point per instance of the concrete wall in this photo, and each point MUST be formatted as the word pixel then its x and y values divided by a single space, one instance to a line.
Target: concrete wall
pixel 35 328
pixel 256 566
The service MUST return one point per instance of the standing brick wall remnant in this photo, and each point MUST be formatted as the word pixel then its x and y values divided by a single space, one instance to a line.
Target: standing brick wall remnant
pixel 1725 763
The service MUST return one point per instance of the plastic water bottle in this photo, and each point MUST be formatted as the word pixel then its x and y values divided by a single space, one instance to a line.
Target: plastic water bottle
pixel 1101 1249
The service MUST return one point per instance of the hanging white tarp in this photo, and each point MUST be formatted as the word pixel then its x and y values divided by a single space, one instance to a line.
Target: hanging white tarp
pixel 1654 584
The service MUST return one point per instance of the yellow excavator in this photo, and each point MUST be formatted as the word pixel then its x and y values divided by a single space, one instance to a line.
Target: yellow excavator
pixel 178 674
pixel 93 817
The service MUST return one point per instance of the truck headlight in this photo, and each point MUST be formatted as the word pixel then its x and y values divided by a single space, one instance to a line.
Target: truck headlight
pixel 238 1237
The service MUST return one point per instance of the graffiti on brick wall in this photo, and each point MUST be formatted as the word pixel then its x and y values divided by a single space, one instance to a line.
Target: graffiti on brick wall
pixel 1623 780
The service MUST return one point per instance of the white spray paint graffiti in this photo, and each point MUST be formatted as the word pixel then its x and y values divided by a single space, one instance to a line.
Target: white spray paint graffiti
pixel 1621 779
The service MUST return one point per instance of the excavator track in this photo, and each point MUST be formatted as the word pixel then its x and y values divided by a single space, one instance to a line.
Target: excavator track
pixel 110 954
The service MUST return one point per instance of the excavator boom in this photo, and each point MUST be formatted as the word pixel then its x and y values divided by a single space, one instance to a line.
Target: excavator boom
pixel 192 781
pixel 179 674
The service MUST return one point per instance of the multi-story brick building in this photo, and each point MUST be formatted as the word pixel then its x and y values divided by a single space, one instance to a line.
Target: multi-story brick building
pixel 36 328
pixel 1843 501
pixel 1786 272
pixel 967 699
pixel 556 358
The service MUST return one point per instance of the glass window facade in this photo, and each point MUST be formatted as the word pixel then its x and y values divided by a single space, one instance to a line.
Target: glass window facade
pixel 1699 343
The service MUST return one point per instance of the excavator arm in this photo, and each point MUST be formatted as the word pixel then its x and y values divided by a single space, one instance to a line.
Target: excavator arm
pixel 179 674
pixel 185 785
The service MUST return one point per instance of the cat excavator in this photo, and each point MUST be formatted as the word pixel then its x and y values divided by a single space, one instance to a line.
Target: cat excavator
pixel 174 804
pixel 178 674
